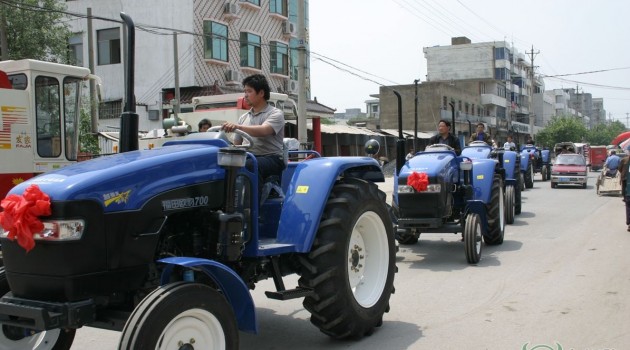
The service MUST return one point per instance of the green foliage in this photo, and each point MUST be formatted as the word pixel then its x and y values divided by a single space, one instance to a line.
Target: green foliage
pixel 88 142
pixel 34 33
pixel 327 121
pixel 561 129
pixel 603 134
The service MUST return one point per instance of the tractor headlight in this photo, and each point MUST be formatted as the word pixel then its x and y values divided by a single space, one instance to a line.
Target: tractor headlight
pixel 58 230
pixel 434 188
pixel 405 189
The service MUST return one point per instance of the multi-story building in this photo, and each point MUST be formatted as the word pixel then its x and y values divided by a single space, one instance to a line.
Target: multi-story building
pixel 218 44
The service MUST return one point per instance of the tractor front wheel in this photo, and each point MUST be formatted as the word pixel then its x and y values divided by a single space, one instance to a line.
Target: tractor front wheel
pixel 181 315
pixel 509 204
pixel 351 265
pixel 472 238
pixel 14 338
pixel 543 173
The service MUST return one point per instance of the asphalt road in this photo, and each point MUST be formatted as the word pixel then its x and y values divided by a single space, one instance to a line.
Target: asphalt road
pixel 559 281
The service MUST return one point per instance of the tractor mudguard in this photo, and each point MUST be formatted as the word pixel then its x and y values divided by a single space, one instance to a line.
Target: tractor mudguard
pixel 477 152
pixel 545 156
pixel 307 186
pixel 483 176
pixel 509 164
pixel 230 284
pixel 524 161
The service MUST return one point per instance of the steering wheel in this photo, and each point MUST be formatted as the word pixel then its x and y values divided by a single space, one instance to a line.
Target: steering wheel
pixel 437 146
pixel 478 143
pixel 242 133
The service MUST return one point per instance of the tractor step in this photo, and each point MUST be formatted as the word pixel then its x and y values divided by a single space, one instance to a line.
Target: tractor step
pixel 298 292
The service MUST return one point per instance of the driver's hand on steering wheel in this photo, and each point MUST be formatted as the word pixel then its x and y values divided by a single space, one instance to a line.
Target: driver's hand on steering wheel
pixel 229 127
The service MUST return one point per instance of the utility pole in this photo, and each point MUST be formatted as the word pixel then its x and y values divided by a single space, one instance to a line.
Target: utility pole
pixel 532 117
pixel 415 127
pixel 301 117
pixel 91 65
pixel 176 103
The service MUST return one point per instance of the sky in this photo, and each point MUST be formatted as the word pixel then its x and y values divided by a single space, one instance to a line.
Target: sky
pixel 358 45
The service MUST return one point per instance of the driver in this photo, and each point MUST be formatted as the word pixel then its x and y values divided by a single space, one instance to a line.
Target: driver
pixel 265 124
pixel 445 137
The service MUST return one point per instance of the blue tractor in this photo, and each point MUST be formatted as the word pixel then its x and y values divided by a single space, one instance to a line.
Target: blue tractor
pixel 510 162
pixel 541 160
pixel 455 194
pixel 527 167
pixel 165 244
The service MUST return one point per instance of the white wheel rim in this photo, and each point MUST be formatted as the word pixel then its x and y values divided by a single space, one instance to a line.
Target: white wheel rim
pixel 39 341
pixel 368 259
pixel 501 209
pixel 477 228
pixel 196 327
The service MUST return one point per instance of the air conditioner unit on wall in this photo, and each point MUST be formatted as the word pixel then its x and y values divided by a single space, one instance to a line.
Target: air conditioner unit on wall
pixel 230 9
pixel 292 87
pixel 288 28
pixel 232 76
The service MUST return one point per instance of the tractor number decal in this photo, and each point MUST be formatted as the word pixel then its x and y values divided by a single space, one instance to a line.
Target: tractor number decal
pixel 506 161
pixel 480 177
pixel 181 203
pixel 116 197
pixel 302 189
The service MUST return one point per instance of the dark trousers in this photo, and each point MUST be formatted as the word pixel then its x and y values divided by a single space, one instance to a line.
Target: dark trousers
pixel 627 200
pixel 268 165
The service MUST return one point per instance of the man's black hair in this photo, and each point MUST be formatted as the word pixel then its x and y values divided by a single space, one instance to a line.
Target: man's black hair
pixel 482 124
pixel 258 82
pixel 204 122
pixel 446 122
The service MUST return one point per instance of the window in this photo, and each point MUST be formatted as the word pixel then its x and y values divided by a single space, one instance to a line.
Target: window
pixel 48 119
pixel 215 41
pixel 71 115
pixel 501 74
pixel 279 7
pixel 108 46
pixel 444 102
pixel 110 110
pixel 279 58
pixel 75 48
pixel 250 50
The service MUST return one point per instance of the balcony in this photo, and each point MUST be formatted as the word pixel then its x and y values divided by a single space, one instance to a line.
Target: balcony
pixel 489 99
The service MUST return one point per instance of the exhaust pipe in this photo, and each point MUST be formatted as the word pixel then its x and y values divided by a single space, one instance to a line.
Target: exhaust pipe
pixel 129 118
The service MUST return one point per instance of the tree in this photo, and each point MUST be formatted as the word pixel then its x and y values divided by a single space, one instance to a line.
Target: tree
pixel 34 29
pixel 562 129
pixel 603 134
pixel 88 142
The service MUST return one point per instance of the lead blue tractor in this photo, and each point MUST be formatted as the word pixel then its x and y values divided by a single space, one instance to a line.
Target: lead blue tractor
pixel 165 244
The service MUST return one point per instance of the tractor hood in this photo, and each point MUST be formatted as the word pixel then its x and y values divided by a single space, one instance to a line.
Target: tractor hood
pixel 431 163
pixel 126 180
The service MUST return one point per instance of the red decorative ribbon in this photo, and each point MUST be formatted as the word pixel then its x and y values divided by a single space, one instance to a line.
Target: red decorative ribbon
pixel 20 215
pixel 419 181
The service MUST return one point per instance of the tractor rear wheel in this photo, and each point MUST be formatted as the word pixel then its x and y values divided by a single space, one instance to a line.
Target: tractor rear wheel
pixel 13 337
pixel 495 213
pixel 517 195
pixel 406 237
pixel 543 173
pixel 181 315
pixel 472 238
pixel 351 265
pixel 509 204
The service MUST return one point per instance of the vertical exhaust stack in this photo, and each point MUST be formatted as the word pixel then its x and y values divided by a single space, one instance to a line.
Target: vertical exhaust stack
pixel 129 118
pixel 401 143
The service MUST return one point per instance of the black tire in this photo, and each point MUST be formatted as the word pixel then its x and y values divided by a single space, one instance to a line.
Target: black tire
pixel 197 310
pixel 529 175
pixel 405 237
pixel 553 184
pixel 509 204
pixel 584 186
pixel 342 307
pixel 543 173
pixel 517 196
pixel 495 211
pixel 548 172
pixel 12 337
pixel 472 238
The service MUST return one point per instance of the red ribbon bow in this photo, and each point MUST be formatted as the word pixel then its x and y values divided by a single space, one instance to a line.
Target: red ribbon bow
pixel 419 181
pixel 20 215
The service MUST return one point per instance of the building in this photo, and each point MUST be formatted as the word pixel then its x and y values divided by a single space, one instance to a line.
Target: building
pixel 218 44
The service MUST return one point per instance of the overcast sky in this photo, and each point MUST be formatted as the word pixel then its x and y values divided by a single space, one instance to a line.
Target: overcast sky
pixel 381 42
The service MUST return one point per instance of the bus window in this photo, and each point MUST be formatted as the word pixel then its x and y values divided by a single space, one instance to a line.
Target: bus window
pixel 71 115
pixel 48 119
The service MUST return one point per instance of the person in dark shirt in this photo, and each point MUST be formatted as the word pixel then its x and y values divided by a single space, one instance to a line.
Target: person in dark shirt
pixel 481 135
pixel 445 137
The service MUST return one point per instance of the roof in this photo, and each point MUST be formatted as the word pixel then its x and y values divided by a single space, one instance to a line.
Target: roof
pixel 407 133
pixel 340 129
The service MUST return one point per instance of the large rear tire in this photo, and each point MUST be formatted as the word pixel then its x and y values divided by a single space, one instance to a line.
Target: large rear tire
pixel 509 204
pixel 180 314
pixel 472 238
pixel 351 265
pixel 13 337
pixel 517 195
pixel 496 214
pixel 543 173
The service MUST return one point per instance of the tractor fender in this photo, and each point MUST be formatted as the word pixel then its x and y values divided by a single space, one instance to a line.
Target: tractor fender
pixel 545 156
pixel 307 191
pixel 230 284
pixel 483 176
pixel 509 164
pixel 524 161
